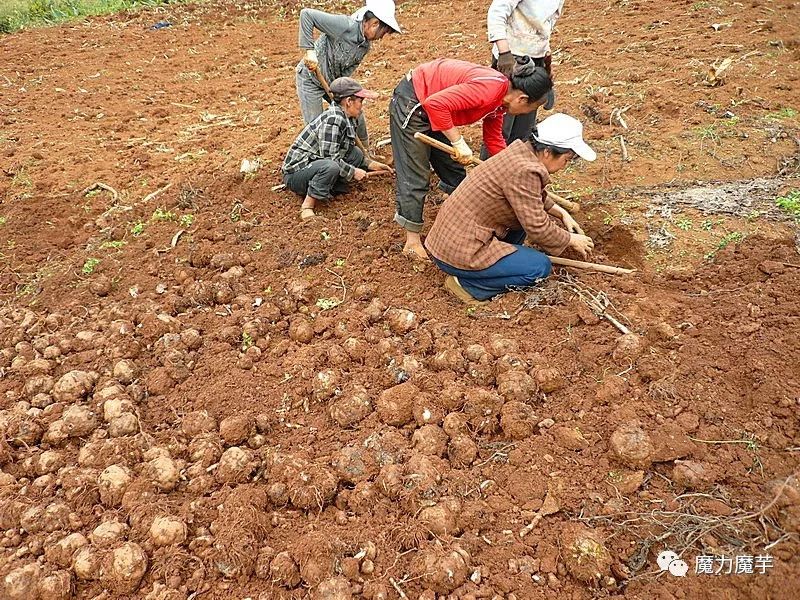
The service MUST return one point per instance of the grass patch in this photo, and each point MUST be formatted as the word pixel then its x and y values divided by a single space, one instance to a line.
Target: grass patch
pixel 115 244
pixel 782 114
pixel 790 203
pixel 89 265
pixel 137 229
pixel 20 14
pixel 161 214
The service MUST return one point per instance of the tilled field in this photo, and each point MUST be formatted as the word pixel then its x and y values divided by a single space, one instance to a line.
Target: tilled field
pixel 203 398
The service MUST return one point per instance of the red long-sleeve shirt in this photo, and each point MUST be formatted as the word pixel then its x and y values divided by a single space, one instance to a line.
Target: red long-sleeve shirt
pixel 456 92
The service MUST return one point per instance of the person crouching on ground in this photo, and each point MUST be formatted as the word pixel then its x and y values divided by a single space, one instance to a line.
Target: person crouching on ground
pixel 477 237
pixel 435 99
pixel 344 43
pixel 324 157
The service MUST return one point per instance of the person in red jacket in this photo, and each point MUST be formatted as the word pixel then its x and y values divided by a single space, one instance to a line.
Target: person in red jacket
pixel 436 98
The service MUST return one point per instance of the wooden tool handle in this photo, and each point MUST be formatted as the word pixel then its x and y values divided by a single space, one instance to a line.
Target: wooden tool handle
pixel 579 264
pixel 434 143
pixel 321 78
pixel 563 202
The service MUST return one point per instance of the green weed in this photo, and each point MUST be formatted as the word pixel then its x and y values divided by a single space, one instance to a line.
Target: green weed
pixel 782 114
pixel 708 132
pixel 684 224
pixel 115 244
pixel 247 341
pixel 729 238
pixel 161 214
pixel 187 221
pixel 325 236
pixel 89 265
pixel 3 220
pixel 790 203
pixel 257 247
pixel 328 303
pixel 707 225
pixel 137 229
pixel 340 262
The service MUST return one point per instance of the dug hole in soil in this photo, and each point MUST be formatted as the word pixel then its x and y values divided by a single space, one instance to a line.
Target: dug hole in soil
pixel 201 397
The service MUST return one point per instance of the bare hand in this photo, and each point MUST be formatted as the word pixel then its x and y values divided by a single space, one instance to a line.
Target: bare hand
pixel 582 244
pixel 359 174
pixel 379 166
pixel 571 224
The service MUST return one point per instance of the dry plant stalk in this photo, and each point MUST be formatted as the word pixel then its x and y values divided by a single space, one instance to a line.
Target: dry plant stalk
pixel 624 148
pixel 596 300
pixel 549 507
pixel 686 527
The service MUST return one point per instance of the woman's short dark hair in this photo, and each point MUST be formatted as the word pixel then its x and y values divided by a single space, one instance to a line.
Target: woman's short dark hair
pixel 541 147
pixel 533 81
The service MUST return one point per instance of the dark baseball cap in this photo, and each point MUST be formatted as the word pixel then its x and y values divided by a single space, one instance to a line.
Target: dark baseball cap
pixel 347 86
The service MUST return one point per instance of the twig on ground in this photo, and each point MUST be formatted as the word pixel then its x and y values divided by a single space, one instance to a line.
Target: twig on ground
pixel 398 588
pixel 99 185
pixel 686 527
pixel 616 114
pixel 622 145
pixel 159 191
pixel 341 283
pixel 176 237
pixel 744 441
pixel 497 454
pixel 596 300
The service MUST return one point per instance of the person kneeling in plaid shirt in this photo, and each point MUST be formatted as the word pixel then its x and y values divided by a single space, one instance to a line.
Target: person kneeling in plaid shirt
pixel 478 235
pixel 324 157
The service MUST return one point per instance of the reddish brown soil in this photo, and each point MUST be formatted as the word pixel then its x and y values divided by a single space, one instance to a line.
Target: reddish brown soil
pixel 528 396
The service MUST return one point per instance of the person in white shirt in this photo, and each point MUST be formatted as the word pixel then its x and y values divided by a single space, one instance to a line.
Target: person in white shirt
pixel 522 28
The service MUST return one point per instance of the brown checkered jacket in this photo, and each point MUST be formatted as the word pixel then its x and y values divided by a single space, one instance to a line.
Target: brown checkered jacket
pixel 506 192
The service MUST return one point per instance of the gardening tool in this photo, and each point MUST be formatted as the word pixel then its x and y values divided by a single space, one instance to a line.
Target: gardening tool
pixel 579 264
pixel 318 73
pixel 563 202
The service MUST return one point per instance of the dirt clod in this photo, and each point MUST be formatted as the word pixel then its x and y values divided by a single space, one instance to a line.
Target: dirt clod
pixel 632 446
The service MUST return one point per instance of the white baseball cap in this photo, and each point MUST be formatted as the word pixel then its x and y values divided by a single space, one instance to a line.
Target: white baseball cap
pixel 563 131
pixel 384 10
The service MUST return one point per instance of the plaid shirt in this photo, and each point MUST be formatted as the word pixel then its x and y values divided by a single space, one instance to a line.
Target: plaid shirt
pixel 504 193
pixel 330 135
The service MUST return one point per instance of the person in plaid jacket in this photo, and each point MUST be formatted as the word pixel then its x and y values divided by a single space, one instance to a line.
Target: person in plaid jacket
pixel 478 235
pixel 324 157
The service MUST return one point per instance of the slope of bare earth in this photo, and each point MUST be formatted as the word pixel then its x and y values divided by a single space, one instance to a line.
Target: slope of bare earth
pixel 202 398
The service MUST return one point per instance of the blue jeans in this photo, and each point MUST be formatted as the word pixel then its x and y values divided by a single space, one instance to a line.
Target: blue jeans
pixel 523 268
pixel 320 179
